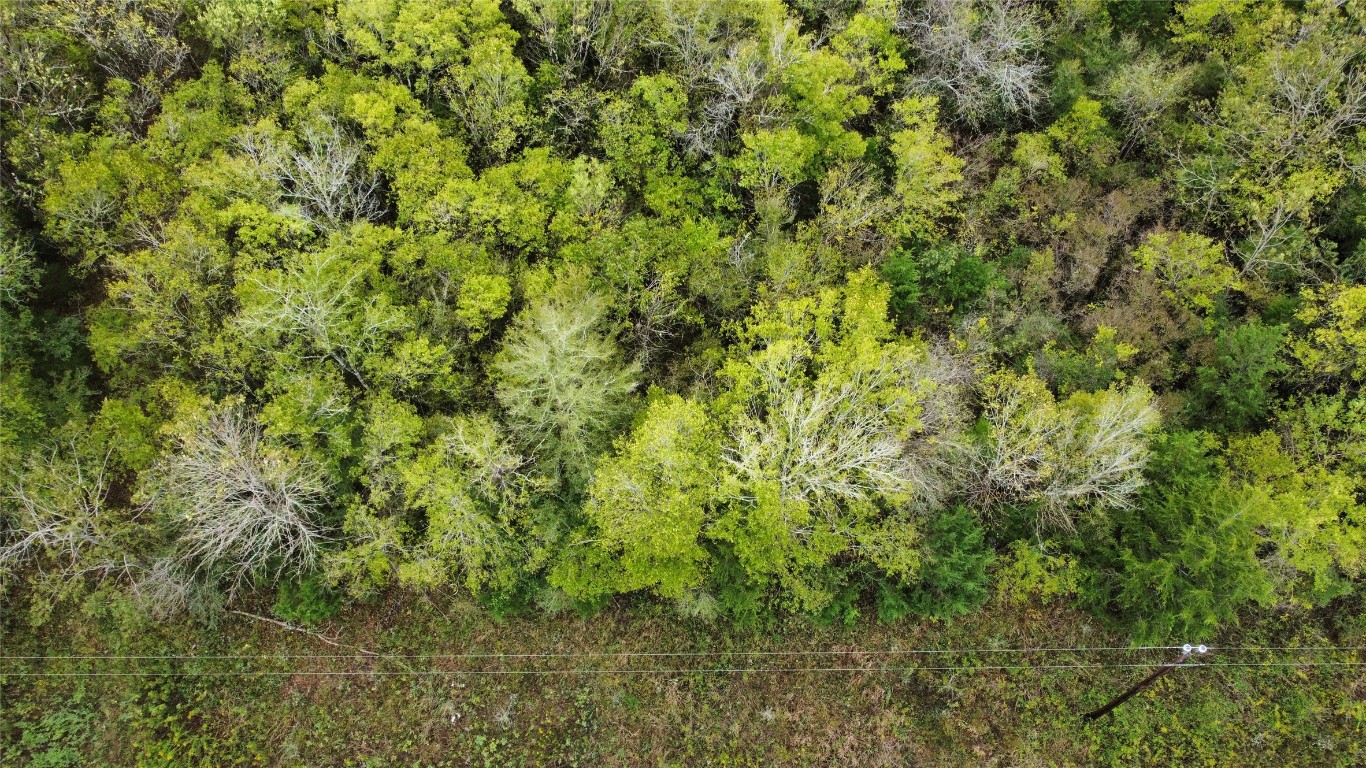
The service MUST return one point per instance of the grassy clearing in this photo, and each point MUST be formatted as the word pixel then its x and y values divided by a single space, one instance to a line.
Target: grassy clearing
pixel 187 713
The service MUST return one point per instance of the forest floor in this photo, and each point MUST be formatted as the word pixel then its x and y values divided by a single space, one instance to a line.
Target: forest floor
pixel 852 696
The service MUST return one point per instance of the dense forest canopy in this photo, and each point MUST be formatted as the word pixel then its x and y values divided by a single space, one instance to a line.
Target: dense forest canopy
pixel 835 308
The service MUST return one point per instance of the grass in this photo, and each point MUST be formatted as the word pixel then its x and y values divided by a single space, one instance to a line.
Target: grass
pixel 880 714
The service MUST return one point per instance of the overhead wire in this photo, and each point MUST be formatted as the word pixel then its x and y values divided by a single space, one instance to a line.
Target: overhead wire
pixel 664 671
pixel 598 654
pixel 668 654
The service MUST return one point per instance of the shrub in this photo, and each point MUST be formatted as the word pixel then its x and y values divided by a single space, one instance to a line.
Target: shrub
pixel 953 573
pixel 306 601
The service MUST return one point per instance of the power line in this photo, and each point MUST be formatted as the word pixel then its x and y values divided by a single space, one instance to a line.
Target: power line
pixel 595 654
pixel 1287 648
pixel 666 654
pixel 659 671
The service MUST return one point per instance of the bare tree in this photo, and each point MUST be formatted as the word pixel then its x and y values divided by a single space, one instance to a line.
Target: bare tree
pixel 134 40
pixel 848 434
pixel 1144 91
pixel 980 53
pixel 328 177
pixel 575 33
pixel 241 509
pixel 1087 453
pixel 59 518
pixel 318 297
pixel 34 73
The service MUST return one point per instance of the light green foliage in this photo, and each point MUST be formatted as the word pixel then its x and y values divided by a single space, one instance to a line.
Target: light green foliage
pixel 455 288
pixel 1311 520
pixel 378 537
pixel 571 34
pixel 229 23
pixel 1280 140
pixel 822 94
pixel 1036 158
pixel 474 489
pixel 199 117
pixel 417 39
pixel 512 205
pixel 639 134
pixel 1333 346
pixel 490 94
pixel 310 407
pixel 825 441
pixel 775 160
pixel 562 382
pixel 102 203
pixel 648 504
pixel 1083 134
pixel 1028 573
pixel 1192 268
pixel 869 42
pixel 161 304
pixel 926 169
pixel 658 275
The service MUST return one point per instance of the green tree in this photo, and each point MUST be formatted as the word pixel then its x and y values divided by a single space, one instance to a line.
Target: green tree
pixel 1237 389
pixel 829 445
pixel 1183 559
pixel 952 579
pixel 648 504
pixel 561 381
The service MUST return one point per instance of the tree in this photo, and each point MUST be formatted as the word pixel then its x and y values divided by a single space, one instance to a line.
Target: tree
pixel 572 34
pixel 980 55
pixel 490 92
pixel 952 579
pixel 1312 528
pixel 1183 558
pixel 241 509
pixel 1192 268
pixel 648 504
pixel 1283 134
pixel 58 519
pixel 133 41
pixel 563 383
pixel 1237 389
pixel 926 170
pixel 1332 347
pixel 162 305
pixel 829 443
pixel 1146 92
pixel 327 177
pixel 1082 455
pixel 418 40
pixel 325 301
pixel 473 490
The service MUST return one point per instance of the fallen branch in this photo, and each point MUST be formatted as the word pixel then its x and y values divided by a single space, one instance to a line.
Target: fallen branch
pixel 295 628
